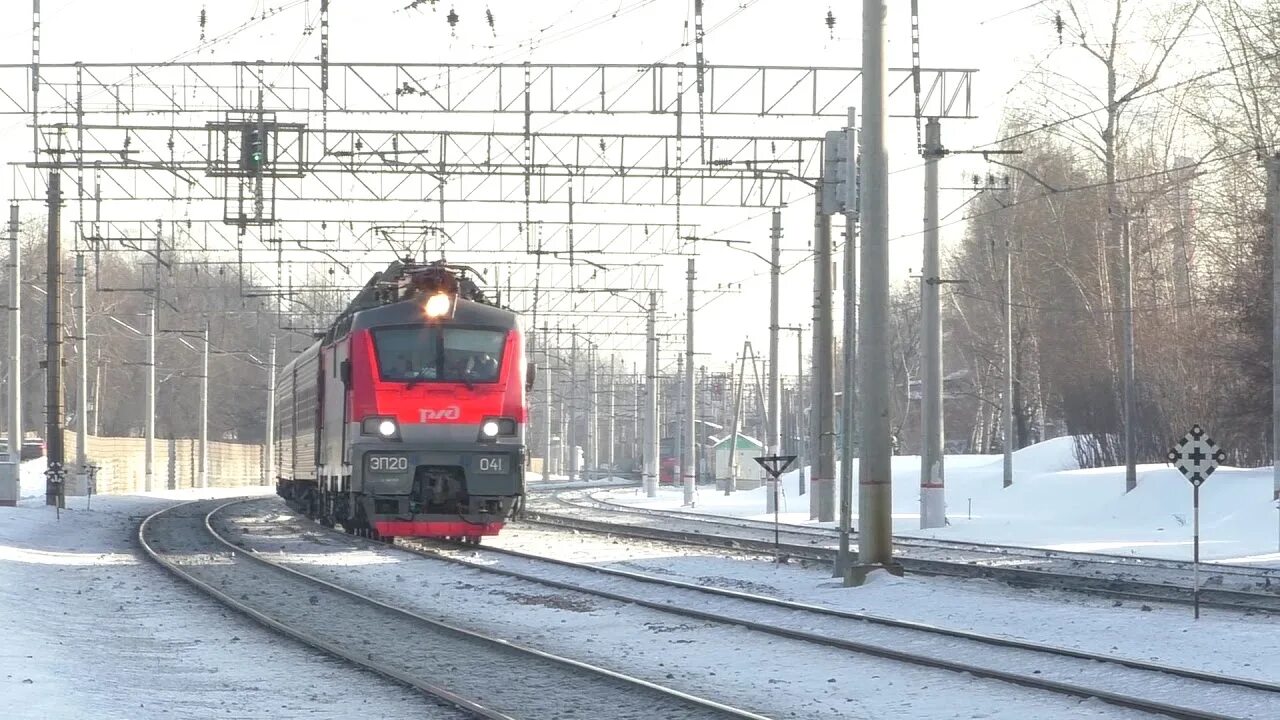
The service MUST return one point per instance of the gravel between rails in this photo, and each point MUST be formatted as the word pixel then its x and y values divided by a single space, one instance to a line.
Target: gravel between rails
pixel 1136 684
pixel 491 674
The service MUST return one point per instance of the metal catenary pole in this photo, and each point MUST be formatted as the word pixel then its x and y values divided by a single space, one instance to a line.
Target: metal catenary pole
pixel 875 475
pixel 731 485
pixel 820 268
pixel 651 400
pixel 677 435
pixel 774 440
pixel 54 483
pixel 610 447
pixel 849 398
pixel 1130 410
pixel 82 371
pixel 269 460
pixel 690 400
pixel 932 477
pixel 204 409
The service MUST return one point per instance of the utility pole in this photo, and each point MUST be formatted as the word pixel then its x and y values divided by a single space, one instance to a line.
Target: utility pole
pixel 547 426
pixel 82 367
pixel 9 493
pixel 1273 195
pixel 269 464
pixel 1130 409
pixel 1009 437
pixel 690 402
pixel 677 437
pixel 932 476
pixel 204 411
pixel 774 440
pixel 610 414
pixel 593 419
pixel 802 418
pixel 849 399
pixel 149 472
pixel 573 406
pixel 651 400
pixel 54 491
pixel 874 476
pixel 731 485
pixel 823 372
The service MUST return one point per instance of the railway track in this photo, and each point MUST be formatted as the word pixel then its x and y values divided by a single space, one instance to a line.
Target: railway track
pixel 1022 567
pixel 487 677
pixel 1243 576
pixel 1160 689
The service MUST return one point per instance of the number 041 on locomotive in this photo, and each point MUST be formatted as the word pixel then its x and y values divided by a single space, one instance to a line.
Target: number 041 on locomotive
pixel 407 417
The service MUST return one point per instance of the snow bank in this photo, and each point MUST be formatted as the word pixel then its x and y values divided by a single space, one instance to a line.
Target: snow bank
pixel 1052 503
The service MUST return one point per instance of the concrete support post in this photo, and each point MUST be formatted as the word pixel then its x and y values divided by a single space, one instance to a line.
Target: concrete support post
pixel 9 481
pixel 1273 196
pixel 269 462
pixel 82 372
pixel 650 450
pixel 203 465
pixel 573 407
pixel 150 422
pixel 875 477
pixel 1009 436
pixel 848 406
pixel 690 400
pixel 774 413
pixel 824 373
pixel 932 477
pixel 55 491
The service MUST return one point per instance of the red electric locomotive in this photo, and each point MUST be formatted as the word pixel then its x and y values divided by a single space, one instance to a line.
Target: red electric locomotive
pixel 407 417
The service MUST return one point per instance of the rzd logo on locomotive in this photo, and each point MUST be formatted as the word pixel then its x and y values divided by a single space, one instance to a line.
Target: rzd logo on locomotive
pixel 453 412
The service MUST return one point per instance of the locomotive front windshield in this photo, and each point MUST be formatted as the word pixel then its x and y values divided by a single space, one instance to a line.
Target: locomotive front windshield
pixel 418 354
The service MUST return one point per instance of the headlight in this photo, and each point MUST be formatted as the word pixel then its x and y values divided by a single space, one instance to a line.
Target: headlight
pixel 438 305
pixel 384 427
pixel 494 427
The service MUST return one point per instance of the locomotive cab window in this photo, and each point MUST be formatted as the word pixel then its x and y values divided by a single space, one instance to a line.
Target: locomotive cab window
pixel 416 354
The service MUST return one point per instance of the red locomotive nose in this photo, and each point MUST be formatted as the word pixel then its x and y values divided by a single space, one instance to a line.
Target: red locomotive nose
pixel 407 418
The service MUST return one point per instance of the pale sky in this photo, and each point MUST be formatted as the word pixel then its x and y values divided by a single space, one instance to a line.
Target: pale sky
pixel 1002 39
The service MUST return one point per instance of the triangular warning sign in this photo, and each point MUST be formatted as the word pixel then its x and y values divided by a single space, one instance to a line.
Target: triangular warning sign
pixel 775 465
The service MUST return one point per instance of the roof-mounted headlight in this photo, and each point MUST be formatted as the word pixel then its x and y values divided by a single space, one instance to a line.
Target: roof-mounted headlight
pixel 438 306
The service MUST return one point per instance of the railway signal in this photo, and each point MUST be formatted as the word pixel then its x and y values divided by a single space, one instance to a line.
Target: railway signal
pixel 775 465
pixel 253 149
pixel 1196 456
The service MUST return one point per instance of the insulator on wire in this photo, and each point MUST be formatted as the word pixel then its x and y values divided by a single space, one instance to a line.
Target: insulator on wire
pixel 452 17
pixel 831 23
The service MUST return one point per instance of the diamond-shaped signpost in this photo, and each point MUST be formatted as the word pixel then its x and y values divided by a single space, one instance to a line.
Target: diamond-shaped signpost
pixel 775 465
pixel 1196 456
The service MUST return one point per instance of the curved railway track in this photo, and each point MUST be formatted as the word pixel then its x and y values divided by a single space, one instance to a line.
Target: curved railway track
pixel 1050 668
pixel 487 678
pixel 1024 567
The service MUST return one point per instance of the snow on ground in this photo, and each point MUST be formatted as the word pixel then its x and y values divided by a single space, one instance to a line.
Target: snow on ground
pixel 1051 504
pixel 1222 642
pixel 91 628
